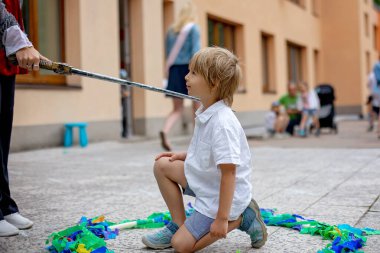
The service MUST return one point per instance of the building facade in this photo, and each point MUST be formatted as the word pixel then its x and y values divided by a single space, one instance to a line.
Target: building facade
pixel 277 42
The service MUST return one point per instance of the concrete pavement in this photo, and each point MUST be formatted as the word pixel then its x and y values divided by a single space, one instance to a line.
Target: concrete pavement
pixel 334 179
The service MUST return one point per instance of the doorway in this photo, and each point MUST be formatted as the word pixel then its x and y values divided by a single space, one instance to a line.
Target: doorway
pixel 125 69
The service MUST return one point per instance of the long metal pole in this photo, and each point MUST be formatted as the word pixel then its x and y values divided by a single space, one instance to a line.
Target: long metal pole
pixel 125 82
pixel 64 69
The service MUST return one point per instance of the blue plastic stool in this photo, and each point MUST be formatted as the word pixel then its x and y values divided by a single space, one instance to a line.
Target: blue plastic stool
pixel 68 140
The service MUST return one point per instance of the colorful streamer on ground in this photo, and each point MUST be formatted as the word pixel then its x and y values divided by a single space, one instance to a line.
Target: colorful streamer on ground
pixel 345 238
pixel 89 235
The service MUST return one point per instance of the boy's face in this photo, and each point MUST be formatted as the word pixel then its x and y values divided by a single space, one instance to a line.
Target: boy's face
pixel 197 86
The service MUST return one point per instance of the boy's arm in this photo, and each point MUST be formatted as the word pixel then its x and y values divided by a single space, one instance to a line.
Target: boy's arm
pixel 227 188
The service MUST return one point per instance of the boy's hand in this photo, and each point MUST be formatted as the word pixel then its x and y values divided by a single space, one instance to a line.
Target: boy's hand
pixel 219 228
pixel 172 156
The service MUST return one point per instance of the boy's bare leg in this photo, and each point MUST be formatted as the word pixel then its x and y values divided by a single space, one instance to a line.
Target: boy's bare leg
pixel 168 175
pixel 183 240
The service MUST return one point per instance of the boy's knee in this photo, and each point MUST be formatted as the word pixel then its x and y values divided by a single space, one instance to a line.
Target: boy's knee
pixel 175 244
pixel 180 246
pixel 159 166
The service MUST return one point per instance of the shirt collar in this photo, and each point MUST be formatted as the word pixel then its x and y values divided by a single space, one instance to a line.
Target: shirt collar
pixel 204 116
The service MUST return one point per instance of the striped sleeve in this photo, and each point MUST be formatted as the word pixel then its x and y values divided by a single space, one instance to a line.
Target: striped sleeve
pixel 7 20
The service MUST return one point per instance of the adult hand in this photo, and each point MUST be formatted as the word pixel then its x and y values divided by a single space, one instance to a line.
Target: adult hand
pixel 28 58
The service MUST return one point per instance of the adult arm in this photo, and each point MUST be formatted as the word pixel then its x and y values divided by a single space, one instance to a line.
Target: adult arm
pixel 16 42
pixel 12 38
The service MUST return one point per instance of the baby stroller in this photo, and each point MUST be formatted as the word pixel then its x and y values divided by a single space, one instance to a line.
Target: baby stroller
pixel 326 96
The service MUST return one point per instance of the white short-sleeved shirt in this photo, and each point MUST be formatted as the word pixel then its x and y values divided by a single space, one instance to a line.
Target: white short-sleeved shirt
pixel 218 139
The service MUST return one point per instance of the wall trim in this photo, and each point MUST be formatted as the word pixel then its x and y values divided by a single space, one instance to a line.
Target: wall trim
pixel 51 135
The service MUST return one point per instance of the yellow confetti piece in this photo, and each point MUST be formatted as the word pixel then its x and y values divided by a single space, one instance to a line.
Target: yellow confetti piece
pixel 82 249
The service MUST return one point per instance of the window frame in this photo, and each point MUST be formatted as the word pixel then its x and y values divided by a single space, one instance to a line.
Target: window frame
pixel 268 63
pixel 368 61
pixel 317 66
pixel 237 42
pixel 300 3
pixel 228 28
pixel 366 24
pixel 31 21
pixel 375 37
pixel 316 7
pixel 300 62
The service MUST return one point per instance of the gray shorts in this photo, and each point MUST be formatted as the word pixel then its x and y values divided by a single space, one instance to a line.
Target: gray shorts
pixel 197 224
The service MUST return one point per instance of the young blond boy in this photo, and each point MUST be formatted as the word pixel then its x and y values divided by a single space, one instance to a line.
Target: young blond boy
pixel 216 168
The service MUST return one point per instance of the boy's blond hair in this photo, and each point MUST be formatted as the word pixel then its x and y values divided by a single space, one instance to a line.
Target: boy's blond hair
pixel 219 67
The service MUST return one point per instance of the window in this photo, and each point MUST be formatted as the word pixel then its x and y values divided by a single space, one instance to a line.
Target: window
pixel 168 15
pixel 221 34
pixel 296 63
pixel 368 62
pixel 375 45
pixel 316 7
pixel 267 56
pixel 317 77
pixel 168 19
pixel 298 2
pixel 229 35
pixel 366 24
pixel 44 21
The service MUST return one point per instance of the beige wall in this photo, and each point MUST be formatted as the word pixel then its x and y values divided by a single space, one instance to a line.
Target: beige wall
pixel 335 31
pixel 92 44
pixel 345 44
pixel 368 45
pixel 278 18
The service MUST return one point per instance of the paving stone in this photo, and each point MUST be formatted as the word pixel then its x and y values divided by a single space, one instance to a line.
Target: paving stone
pixel 55 187
pixel 376 206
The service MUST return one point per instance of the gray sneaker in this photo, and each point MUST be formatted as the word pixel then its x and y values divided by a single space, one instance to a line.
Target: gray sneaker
pixel 253 224
pixel 162 238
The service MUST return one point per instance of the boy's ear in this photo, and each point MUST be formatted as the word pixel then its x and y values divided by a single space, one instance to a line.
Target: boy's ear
pixel 214 85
